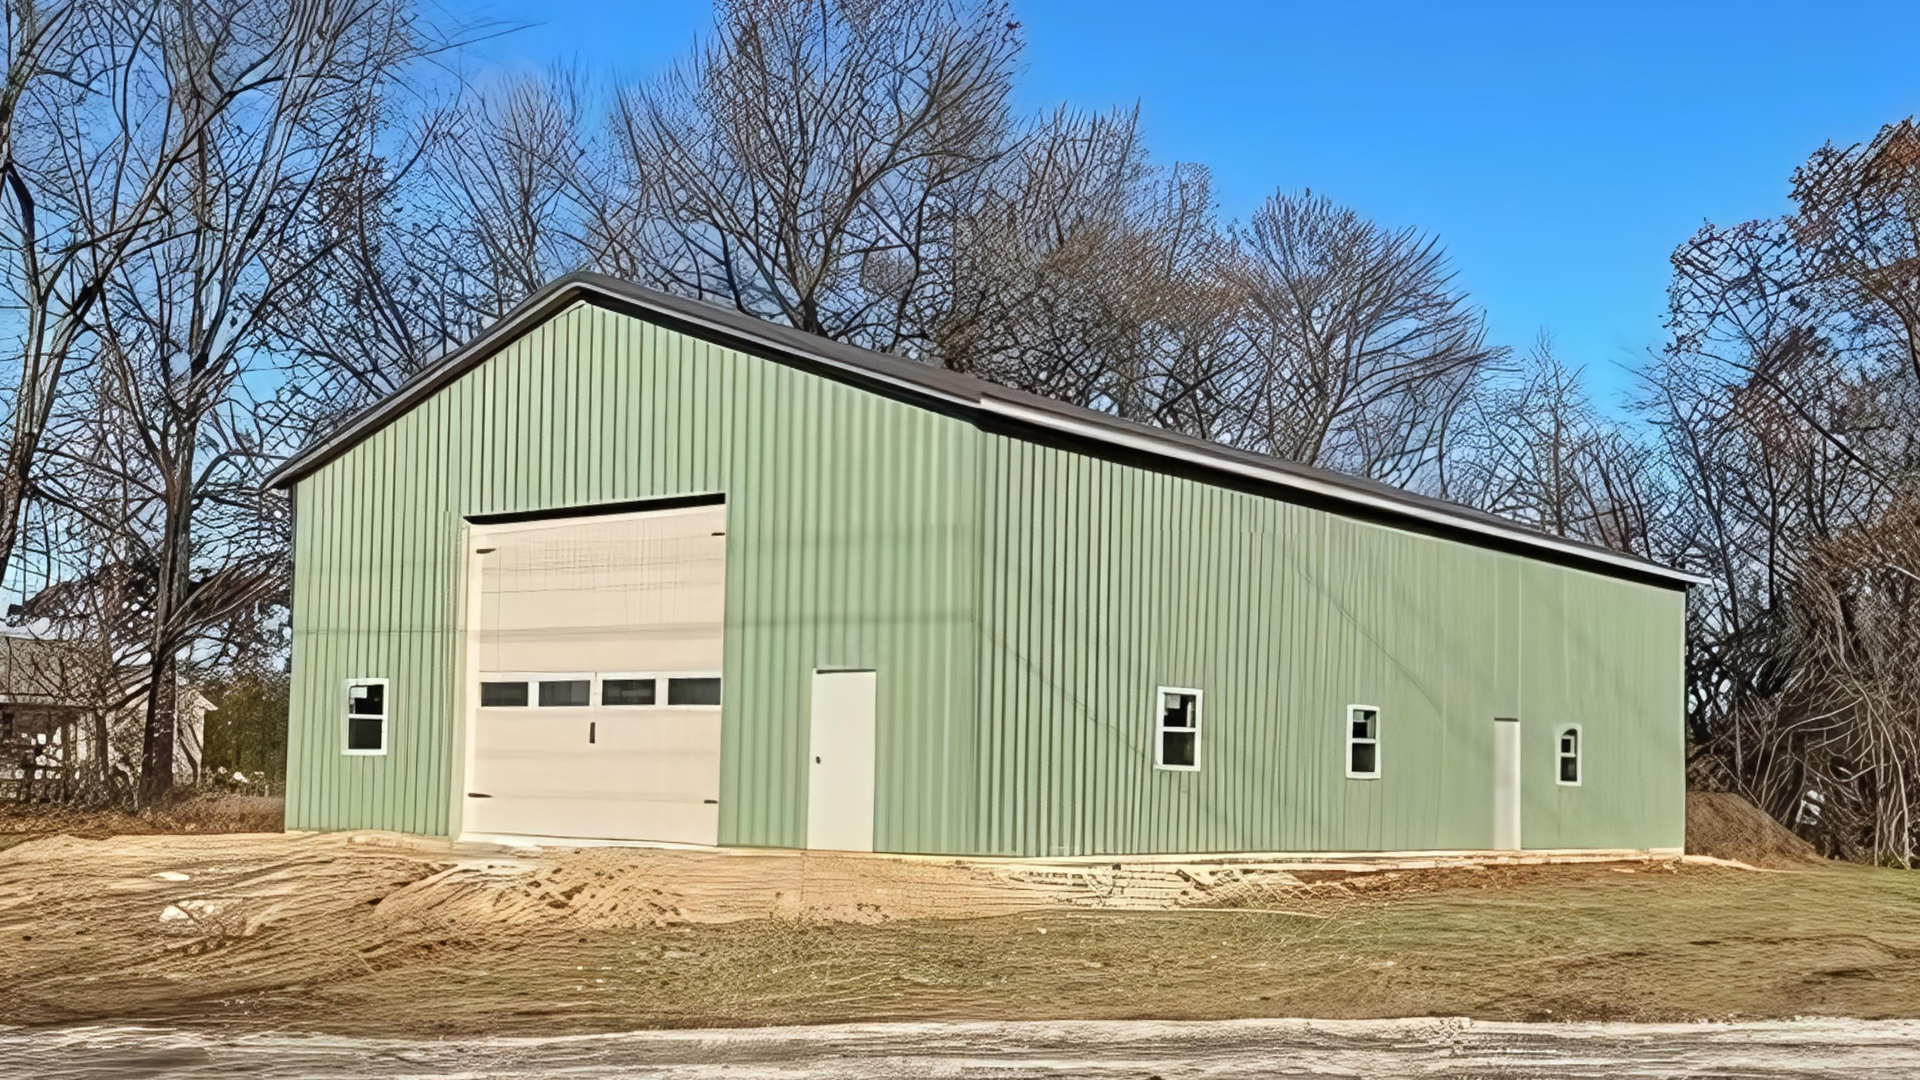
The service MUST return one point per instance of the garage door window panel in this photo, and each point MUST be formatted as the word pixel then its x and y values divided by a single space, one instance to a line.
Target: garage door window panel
pixel 567 692
pixel 504 694
pixel 694 691
pixel 627 691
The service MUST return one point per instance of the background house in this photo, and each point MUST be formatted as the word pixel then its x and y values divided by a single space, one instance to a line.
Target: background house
pixel 63 735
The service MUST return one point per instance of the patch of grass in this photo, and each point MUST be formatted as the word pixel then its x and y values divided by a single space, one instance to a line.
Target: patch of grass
pixel 1716 944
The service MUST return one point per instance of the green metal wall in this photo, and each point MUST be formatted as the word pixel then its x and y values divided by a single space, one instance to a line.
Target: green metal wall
pixel 849 542
pixel 1102 582
pixel 1020 603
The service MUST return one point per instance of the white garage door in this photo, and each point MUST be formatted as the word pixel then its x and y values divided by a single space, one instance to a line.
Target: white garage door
pixel 597 678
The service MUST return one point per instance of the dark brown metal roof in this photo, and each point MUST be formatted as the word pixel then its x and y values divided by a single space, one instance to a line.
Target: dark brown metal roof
pixel 1019 413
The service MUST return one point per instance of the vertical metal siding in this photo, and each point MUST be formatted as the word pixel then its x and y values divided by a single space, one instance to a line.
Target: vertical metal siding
pixel 1020 603
pixel 851 541
pixel 1101 582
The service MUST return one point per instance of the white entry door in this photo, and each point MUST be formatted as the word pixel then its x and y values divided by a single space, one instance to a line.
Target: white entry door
pixel 1506 785
pixel 840 762
pixel 595 678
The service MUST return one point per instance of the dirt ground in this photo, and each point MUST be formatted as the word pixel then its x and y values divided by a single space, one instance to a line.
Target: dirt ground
pixel 379 934
pixel 1727 826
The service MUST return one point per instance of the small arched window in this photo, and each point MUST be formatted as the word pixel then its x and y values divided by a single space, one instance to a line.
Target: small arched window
pixel 1567 756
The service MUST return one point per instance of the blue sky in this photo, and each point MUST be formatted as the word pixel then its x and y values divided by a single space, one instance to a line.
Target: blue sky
pixel 1560 149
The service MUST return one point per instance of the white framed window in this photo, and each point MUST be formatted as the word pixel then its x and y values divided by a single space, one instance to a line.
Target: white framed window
pixel 1176 728
pixel 1567 747
pixel 366 717
pixel 1363 742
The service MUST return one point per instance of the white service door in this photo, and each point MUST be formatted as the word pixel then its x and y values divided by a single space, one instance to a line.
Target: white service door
pixel 840 765
pixel 1506 785
pixel 629 597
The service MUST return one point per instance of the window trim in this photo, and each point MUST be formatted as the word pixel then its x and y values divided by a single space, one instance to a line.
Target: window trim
pixel 1346 727
pixel 1160 727
pixel 1579 754
pixel 348 716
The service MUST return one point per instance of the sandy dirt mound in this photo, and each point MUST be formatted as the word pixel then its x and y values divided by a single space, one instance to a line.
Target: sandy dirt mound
pixel 236 885
pixel 1725 826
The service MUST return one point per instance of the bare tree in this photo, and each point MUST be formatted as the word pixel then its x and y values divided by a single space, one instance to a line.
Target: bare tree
pixel 1848 727
pixel 429 239
pixel 100 110
pixel 1085 274
pixel 1786 404
pixel 807 164
pixel 1534 448
pixel 167 445
pixel 1856 231
pixel 513 164
pixel 1366 349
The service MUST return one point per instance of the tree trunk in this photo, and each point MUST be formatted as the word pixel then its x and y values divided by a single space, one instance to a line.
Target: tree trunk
pixel 156 744
pixel 13 495
pixel 23 441
pixel 103 751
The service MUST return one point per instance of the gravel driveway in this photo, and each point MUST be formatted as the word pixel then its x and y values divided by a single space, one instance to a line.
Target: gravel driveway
pixel 1430 1049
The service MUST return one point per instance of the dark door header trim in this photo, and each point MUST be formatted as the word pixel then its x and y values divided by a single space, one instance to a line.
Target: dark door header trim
pixel 607 509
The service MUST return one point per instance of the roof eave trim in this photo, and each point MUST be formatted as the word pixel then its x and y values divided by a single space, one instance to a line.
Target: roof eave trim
pixel 1162 448
pixel 522 317
pixel 735 334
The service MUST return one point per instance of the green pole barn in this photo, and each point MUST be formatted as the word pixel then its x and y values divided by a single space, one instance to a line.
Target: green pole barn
pixel 630 566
